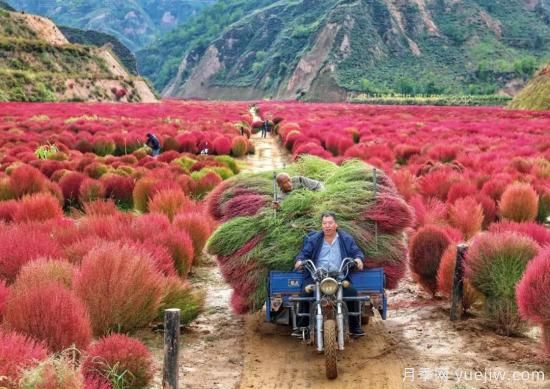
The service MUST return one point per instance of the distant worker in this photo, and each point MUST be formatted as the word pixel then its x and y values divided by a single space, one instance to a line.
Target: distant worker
pixel 265 127
pixel 153 143
pixel 287 184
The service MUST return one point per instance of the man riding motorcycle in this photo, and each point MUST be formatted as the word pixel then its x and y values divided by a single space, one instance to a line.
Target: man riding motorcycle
pixel 327 249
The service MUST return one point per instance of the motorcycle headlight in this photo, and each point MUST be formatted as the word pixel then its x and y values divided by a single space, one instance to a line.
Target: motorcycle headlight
pixel 329 286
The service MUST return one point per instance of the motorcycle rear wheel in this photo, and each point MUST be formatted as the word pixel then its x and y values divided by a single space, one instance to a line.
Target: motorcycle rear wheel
pixel 331 349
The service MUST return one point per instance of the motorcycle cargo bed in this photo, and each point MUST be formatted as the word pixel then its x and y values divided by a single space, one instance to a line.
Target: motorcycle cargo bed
pixel 291 282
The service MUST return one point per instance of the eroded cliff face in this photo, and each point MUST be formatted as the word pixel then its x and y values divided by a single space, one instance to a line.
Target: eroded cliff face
pixel 331 49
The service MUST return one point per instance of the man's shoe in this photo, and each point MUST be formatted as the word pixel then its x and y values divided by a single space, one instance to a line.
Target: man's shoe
pixel 300 332
pixel 357 332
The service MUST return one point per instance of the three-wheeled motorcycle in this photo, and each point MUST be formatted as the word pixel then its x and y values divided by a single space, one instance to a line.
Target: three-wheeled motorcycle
pixel 328 312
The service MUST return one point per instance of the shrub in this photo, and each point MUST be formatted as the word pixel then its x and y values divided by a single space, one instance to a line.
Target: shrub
pixel 460 190
pixel 103 146
pixel 50 313
pixel 25 180
pixel 206 183
pixel 38 207
pixel 17 352
pixel 107 282
pixel 6 192
pixel 519 203
pixel 533 294
pixel 239 146
pixel 426 249
pixel 198 226
pixel 91 190
pixel 494 264
pixel 168 202
pixel 405 182
pixel 52 373
pixel 119 355
pixel 70 185
pixel 179 294
pixel 4 293
pixel 180 245
pixel 100 208
pixel 466 214
pixel 489 209
pixel 221 145
pixel 21 244
pixel 145 189
pixel 437 184
pixel 8 209
pixel 44 271
pixel 445 276
pixel 119 188
pixel 543 214
pixel 537 232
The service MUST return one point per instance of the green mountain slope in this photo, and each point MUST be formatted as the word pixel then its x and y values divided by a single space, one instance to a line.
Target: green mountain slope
pixel 37 63
pixel 333 48
pixel 133 22
pixel 96 38
pixel 536 94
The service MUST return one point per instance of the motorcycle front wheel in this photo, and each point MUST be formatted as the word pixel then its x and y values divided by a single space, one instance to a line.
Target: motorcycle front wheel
pixel 331 349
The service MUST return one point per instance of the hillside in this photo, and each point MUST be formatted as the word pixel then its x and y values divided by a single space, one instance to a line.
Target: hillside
pixel 134 22
pixel 536 94
pixel 331 49
pixel 37 63
pixel 99 39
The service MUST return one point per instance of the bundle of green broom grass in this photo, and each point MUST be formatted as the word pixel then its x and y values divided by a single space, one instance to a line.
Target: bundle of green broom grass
pixel 254 239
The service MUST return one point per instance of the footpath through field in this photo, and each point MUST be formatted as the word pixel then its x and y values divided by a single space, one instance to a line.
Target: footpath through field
pixel 223 350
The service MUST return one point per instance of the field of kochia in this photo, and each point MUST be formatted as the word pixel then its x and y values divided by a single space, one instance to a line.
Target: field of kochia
pixel 97 237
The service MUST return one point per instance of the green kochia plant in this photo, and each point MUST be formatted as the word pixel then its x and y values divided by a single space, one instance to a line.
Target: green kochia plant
pixel 46 151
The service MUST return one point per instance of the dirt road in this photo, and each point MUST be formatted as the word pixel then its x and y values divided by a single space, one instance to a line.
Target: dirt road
pixel 416 347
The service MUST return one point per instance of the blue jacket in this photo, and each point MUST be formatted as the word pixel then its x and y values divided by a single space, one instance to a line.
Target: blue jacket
pixel 313 243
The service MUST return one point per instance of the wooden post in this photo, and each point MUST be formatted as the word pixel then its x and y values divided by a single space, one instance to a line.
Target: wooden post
pixel 171 348
pixel 458 283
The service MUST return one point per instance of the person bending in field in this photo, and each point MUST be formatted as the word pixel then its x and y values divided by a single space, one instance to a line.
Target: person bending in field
pixel 154 143
pixel 327 248
pixel 287 184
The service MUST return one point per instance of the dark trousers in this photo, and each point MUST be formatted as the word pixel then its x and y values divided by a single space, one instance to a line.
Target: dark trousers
pixel 264 132
pixel 353 306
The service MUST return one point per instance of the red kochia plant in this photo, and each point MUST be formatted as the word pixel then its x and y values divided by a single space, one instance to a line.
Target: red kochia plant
pixel 27 180
pixel 168 202
pixel 239 146
pixel 107 282
pixel 8 209
pixel 537 232
pixel 17 352
pixel 437 184
pixel 120 355
pixel 44 271
pixel 426 249
pixel 70 185
pixel 198 226
pixel 533 294
pixel 519 203
pixel 245 205
pixel 91 190
pixel 206 183
pixel 466 214
pixel 38 207
pixel 222 145
pixel 391 213
pixel 50 313
pixel 119 188
pixel 20 244
pixel 4 292
pixel 460 190
pixel 180 245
